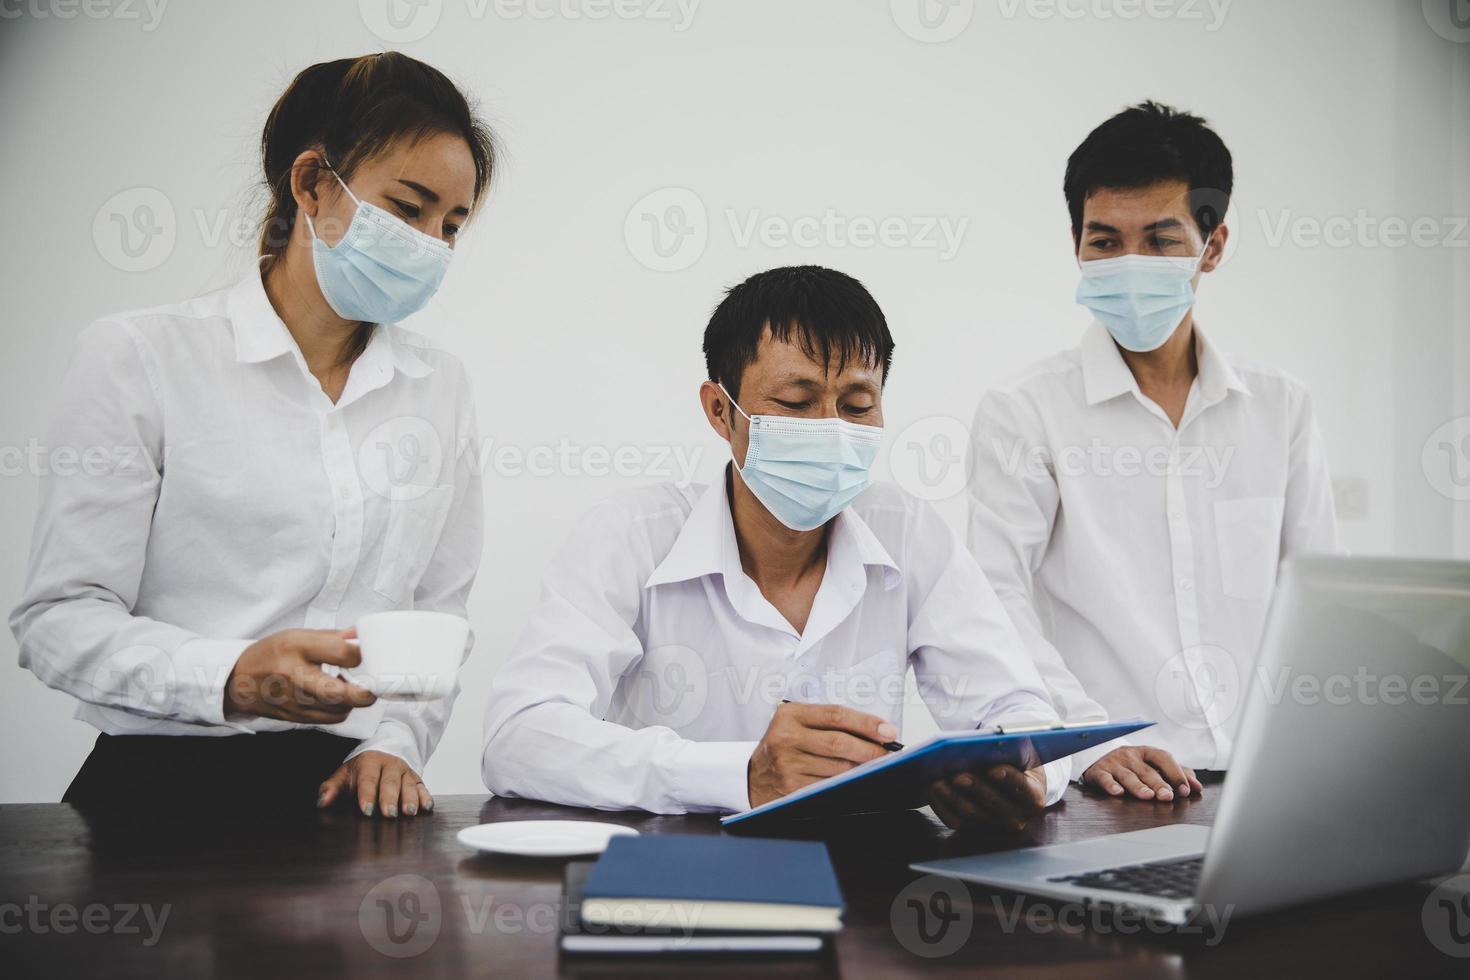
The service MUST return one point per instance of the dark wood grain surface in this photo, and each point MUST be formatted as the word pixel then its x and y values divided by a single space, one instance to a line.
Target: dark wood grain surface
pixel 297 894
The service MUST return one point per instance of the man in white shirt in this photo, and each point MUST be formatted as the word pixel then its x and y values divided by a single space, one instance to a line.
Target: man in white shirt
pixel 711 649
pixel 1131 499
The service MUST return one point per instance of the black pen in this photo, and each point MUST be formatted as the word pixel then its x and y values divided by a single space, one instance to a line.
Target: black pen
pixel 890 746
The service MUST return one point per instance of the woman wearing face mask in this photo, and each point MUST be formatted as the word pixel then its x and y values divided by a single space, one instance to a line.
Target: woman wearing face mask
pixel 272 462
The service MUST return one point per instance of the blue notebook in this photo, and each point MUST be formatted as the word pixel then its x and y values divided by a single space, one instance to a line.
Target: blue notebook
pixel 901 781
pixel 693 883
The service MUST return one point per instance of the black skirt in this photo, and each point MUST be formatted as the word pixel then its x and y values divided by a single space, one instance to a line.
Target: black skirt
pixel 269 770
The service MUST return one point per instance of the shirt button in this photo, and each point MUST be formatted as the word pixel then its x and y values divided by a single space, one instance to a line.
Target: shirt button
pixel 346 493
pixel 1186 584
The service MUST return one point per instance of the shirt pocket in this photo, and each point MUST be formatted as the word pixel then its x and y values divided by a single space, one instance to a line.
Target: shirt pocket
pixel 1248 531
pixel 410 536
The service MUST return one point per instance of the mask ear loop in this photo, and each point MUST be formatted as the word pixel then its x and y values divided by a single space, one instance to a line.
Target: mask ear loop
pixel 738 467
pixel 333 171
pixel 1204 250
pixel 734 402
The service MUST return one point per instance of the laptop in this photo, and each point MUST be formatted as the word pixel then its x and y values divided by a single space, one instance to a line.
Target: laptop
pixel 1350 768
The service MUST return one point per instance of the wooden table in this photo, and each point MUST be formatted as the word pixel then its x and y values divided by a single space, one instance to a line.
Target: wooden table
pixel 288 895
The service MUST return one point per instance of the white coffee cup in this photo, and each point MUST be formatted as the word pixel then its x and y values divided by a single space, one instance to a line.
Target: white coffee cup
pixel 409 655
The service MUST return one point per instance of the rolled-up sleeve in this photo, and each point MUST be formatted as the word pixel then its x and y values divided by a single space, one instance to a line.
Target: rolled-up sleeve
pixel 74 624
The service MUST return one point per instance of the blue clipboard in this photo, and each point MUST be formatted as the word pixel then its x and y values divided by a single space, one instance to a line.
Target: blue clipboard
pixel 901 781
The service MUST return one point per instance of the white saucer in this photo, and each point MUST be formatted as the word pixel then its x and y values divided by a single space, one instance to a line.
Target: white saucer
pixel 543 838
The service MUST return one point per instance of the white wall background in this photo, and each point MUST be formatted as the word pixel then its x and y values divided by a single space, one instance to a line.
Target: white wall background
pixel 1344 117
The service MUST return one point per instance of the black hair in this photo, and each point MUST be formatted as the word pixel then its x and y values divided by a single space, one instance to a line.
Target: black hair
pixel 352 109
pixel 830 315
pixel 1148 143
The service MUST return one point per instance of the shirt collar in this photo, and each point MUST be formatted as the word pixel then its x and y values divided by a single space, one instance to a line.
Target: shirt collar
pixel 706 545
pixel 1216 376
pixel 1106 375
pixel 1104 372
pixel 403 355
pixel 260 335
pixel 853 539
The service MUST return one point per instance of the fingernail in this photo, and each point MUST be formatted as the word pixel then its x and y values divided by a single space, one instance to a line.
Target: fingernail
pixel 1166 794
pixel 1183 789
pixel 410 809
pixel 321 799
pixel 390 810
pixel 429 806
pixel 964 781
pixel 367 809
pixel 888 731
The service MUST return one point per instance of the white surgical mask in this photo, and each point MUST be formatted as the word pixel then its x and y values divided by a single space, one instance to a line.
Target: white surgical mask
pixel 382 270
pixel 1141 299
pixel 805 471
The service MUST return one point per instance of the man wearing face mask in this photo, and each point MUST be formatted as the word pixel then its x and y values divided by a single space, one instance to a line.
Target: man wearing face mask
pixel 1131 499
pixel 714 648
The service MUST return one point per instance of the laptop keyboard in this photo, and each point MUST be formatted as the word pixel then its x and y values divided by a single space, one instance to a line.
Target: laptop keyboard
pixel 1163 879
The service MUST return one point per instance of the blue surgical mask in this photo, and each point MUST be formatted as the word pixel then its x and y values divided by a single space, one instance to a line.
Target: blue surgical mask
pixel 804 471
pixel 382 270
pixel 1141 299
